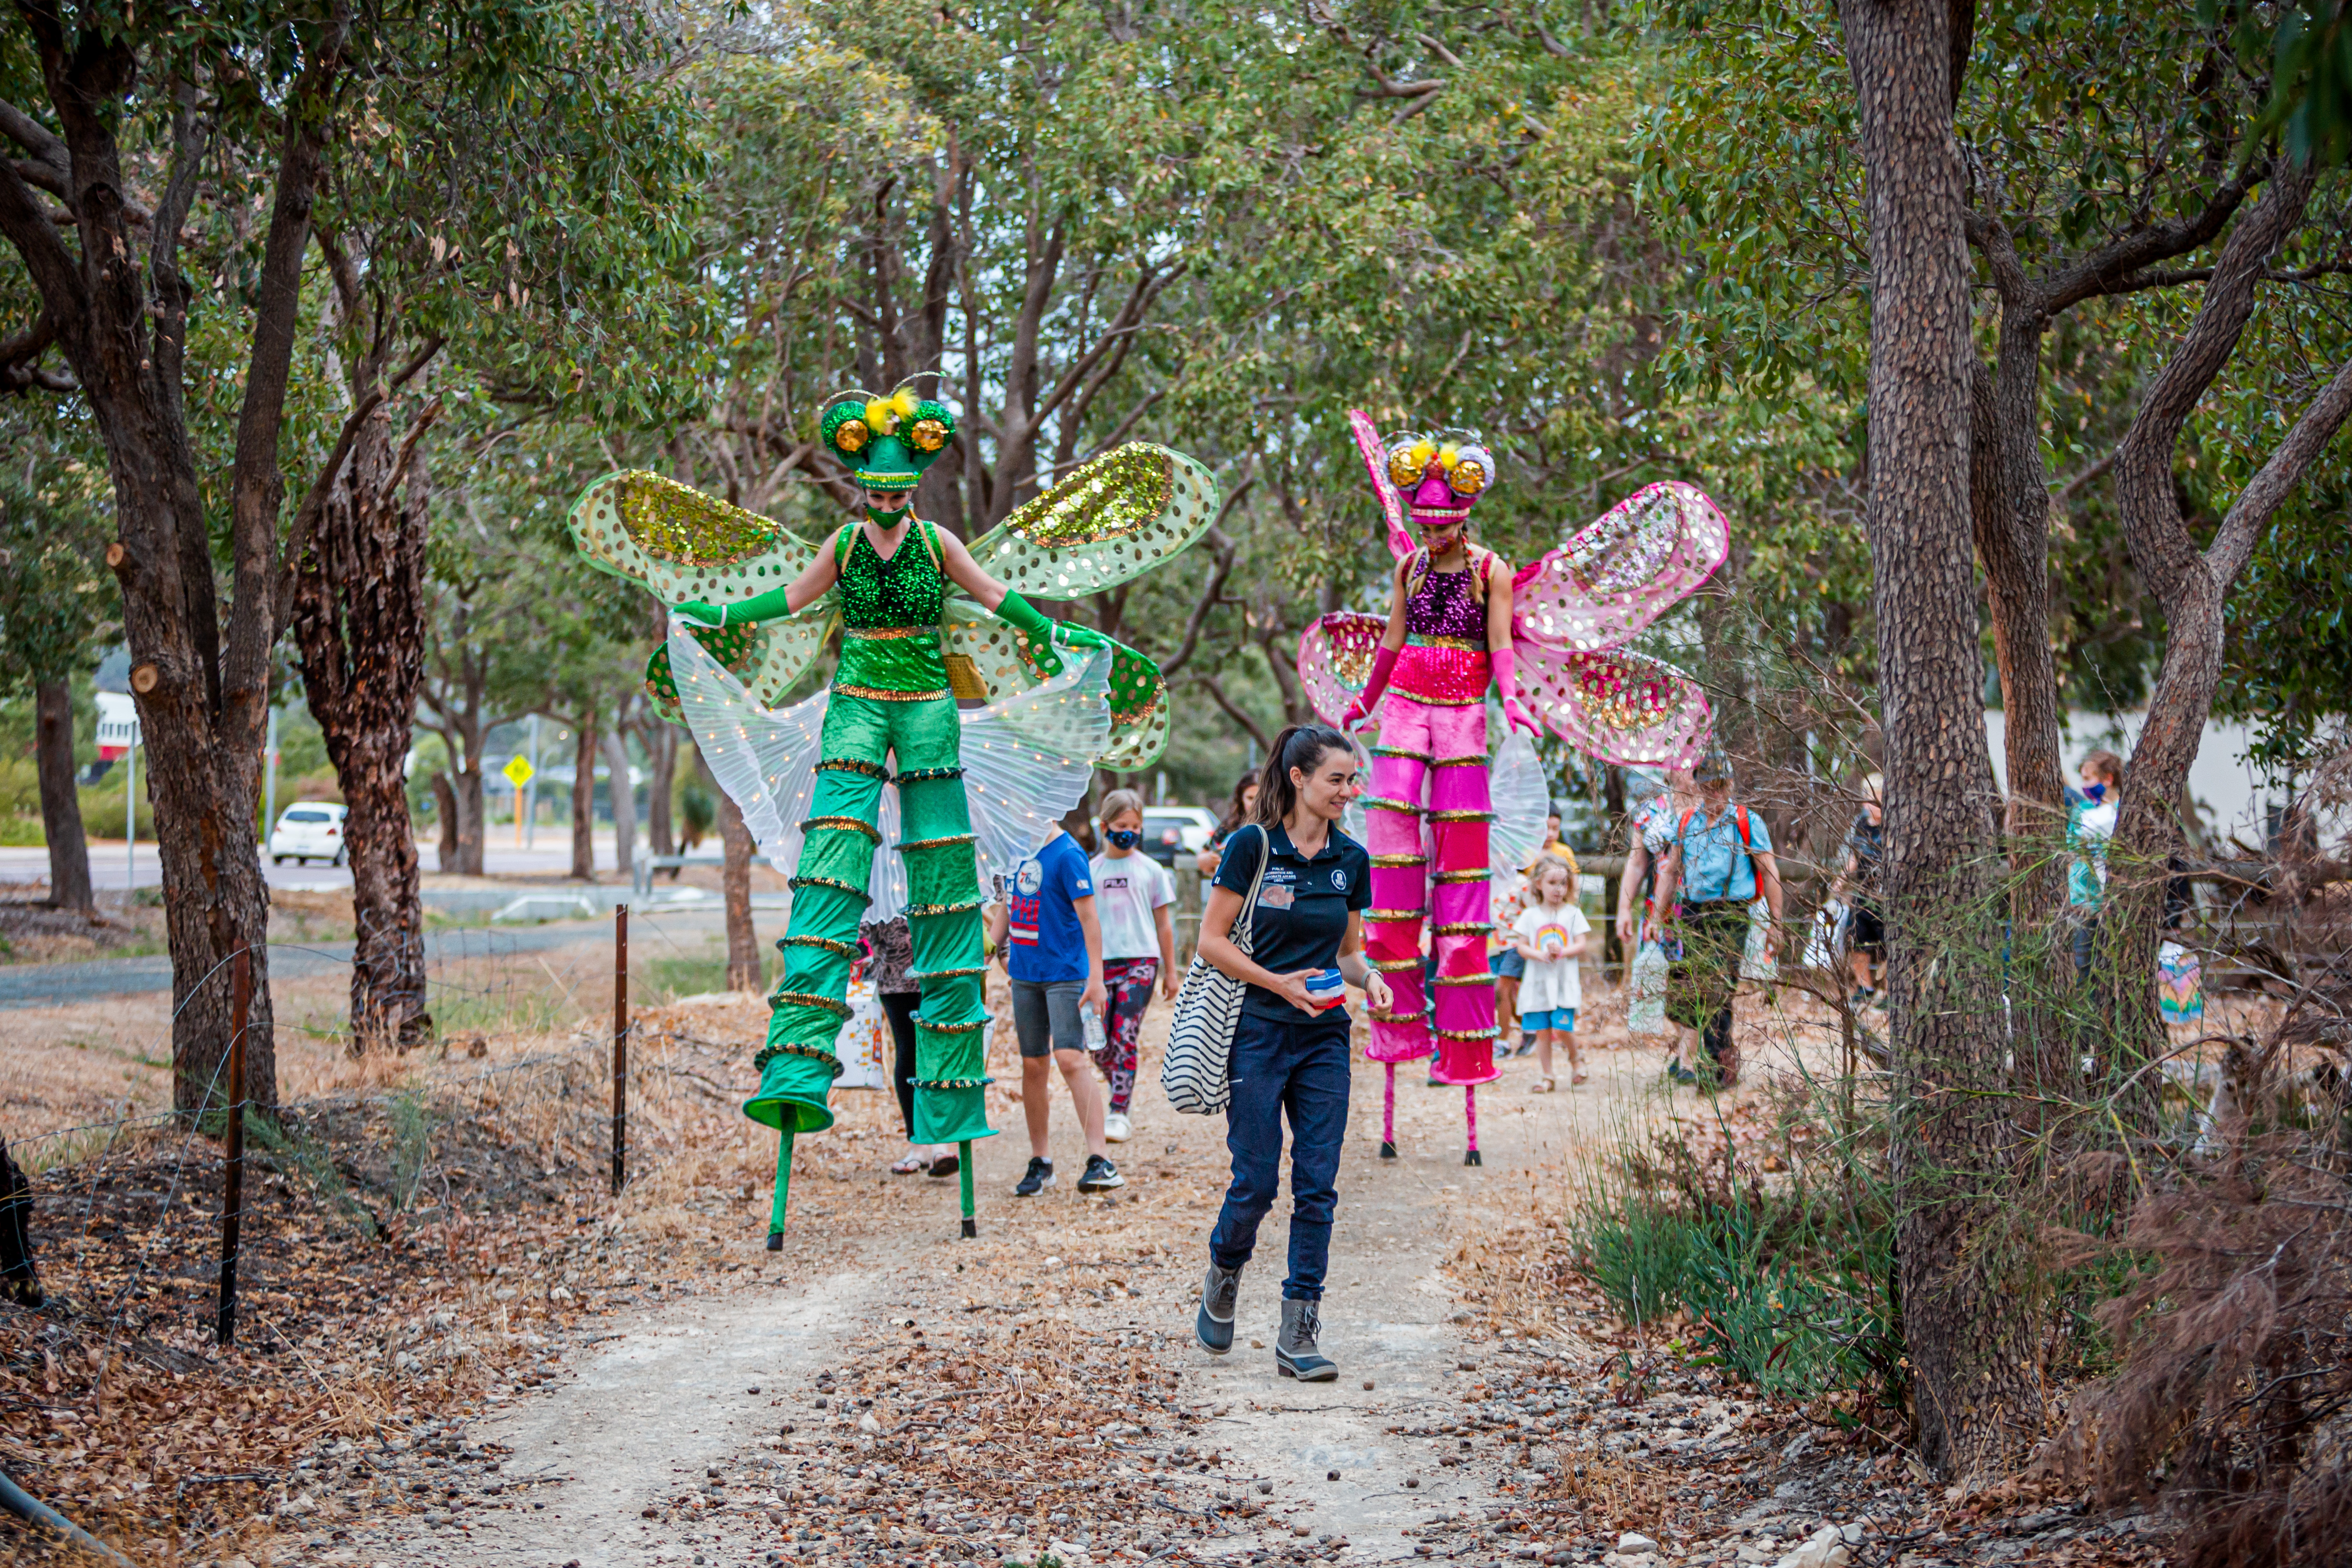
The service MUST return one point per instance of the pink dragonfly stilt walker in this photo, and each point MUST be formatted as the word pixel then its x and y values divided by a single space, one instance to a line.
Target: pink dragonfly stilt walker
pixel 1547 639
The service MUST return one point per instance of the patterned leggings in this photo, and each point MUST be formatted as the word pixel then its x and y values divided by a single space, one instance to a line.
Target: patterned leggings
pixel 1126 986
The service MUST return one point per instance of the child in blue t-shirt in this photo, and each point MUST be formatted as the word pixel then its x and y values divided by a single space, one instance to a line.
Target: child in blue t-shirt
pixel 1046 929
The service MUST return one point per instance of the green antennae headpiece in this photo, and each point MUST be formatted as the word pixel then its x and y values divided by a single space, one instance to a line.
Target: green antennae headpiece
pixel 887 442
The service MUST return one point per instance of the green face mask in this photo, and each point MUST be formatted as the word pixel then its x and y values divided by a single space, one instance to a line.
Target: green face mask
pixel 890 518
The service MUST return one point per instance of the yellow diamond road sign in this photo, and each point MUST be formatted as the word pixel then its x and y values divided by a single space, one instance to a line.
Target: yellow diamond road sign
pixel 518 771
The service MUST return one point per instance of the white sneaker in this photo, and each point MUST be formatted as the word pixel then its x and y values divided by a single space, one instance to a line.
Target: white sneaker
pixel 1117 1129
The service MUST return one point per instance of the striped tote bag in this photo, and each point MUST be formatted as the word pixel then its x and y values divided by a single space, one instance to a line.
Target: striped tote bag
pixel 1195 1073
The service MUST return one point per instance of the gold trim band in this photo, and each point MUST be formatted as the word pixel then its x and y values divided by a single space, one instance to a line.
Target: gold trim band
pixel 808 999
pixel 886 633
pixel 843 825
pixel 876 693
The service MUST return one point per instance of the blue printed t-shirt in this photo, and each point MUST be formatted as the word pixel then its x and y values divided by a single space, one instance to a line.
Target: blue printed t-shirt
pixel 1048 942
pixel 1716 865
pixel 1302 908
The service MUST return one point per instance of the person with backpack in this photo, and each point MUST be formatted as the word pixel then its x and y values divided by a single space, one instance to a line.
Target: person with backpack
pixel 1306 885
pixel 1717 862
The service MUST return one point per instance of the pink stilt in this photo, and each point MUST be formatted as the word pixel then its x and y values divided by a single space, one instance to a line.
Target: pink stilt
pixel 1470 1115
pixel 1388 1114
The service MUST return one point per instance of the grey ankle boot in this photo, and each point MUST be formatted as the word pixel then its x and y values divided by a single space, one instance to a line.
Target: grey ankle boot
pixel 1295 1354
pixel 1220 1292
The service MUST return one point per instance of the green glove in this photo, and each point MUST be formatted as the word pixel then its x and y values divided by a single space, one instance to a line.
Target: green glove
pixel 768 606
pixel 1021 616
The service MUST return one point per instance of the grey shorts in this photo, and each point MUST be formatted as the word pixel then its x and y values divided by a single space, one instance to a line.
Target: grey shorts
pixel 1045 1016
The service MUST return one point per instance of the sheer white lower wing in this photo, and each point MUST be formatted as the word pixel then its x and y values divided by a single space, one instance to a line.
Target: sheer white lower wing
pixel 1522 800
pixel 1027 761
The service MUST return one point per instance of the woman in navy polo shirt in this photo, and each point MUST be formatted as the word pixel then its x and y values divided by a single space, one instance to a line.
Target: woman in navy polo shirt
pixel 1290 1047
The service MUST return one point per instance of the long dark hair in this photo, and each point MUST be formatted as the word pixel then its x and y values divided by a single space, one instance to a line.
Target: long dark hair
pixel 1301 745
pixel 1234 814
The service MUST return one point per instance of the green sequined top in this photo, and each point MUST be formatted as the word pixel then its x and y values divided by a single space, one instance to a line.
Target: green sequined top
pixel 890 613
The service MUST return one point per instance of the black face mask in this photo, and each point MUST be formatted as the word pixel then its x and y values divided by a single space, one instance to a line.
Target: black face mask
pixel 1124 837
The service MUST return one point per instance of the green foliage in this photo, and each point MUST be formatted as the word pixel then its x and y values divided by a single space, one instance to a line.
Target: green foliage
pixel 56 598
pixel 1787 1280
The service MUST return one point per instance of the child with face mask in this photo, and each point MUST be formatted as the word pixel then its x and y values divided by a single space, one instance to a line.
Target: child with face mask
pixel 1133 896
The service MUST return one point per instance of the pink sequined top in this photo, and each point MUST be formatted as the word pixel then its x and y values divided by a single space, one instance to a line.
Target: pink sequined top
pixel 1443 660
pixel 1446 606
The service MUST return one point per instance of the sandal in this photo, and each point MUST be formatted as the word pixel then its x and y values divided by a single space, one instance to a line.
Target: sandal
pixel 1580 1078
pixel 1542 1086
pixel 945 1166
pixel 907 1164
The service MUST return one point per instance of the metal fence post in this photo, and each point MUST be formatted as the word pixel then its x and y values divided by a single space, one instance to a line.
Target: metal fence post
pixel 232 1190
pixel 620 1046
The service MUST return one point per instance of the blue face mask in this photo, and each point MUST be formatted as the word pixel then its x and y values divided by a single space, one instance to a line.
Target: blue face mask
pixel 2095 793
pixel 1124 837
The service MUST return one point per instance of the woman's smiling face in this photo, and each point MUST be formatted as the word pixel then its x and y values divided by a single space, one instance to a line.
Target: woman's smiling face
pixel 1326 789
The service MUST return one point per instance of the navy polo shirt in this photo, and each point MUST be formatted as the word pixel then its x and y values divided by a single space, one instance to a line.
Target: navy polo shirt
pixel 1302 908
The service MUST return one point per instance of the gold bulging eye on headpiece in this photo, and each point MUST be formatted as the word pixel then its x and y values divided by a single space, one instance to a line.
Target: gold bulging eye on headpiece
pixel 1469 476
pixel 851 436
pixel 1410 460
pixel 928 435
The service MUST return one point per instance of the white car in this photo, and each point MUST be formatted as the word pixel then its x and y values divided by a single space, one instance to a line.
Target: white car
pixel 311 831
pixel 1171 831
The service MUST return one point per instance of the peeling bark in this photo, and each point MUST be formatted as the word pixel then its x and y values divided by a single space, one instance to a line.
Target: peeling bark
pixel 1969 1332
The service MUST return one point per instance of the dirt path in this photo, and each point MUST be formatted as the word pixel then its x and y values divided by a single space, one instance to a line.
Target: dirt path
pixel 660 1405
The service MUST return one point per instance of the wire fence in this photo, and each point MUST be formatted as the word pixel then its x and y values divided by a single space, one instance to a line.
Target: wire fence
pixel 149 1189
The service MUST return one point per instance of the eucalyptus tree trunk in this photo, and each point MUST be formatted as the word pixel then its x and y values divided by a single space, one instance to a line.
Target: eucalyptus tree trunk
pixel 660 741
pixel 117 300
pixel 357 613
pixel 2193 583
pixel 584 796
pixel 53 757
pixel 1971 1332
pixel 625 796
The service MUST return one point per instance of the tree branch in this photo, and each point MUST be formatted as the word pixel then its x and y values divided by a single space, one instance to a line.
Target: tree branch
pixel 1216 691
pixel 2100 271
pixel 48 166
pixel 2250 512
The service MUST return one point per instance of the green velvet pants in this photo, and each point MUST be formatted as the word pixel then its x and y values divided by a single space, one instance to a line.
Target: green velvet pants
pixel 862 735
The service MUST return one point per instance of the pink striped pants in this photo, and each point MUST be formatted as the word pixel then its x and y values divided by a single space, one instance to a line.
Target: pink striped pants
pixel 1432 762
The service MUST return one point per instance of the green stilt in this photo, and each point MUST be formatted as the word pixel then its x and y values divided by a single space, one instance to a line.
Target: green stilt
pixel 783 1189
pixel 963 1167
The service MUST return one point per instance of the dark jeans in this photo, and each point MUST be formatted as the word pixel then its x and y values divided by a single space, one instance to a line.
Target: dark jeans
pixel 1701 984
pixel 900 1007
pixel 1301 1070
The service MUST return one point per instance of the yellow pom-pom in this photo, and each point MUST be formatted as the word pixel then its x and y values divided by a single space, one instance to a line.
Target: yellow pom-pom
pixel 1421 452
pixel 877 415
pixel 903 403
pixel 1448 456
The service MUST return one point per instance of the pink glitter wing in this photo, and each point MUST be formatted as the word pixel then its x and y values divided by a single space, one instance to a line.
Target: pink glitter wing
pixel 1335 660
pixel 1367 442
pixel 1619 706
pixel 1632 564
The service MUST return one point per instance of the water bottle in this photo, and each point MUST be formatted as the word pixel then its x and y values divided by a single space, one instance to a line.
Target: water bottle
pixel 1091 1019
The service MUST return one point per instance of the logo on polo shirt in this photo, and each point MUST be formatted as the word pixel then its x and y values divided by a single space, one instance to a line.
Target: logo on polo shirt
pixel 1339 882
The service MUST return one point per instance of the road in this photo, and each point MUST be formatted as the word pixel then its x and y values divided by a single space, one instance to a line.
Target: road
pixel 108 868
pixel 49 984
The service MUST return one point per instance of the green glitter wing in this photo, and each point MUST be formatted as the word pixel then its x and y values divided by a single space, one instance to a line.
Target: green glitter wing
pixel 682 544
pixel 1139 694
pixel 1113 519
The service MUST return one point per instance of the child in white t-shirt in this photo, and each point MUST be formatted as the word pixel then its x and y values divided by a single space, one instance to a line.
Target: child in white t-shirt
pixel 1550 934
pixel 1133 893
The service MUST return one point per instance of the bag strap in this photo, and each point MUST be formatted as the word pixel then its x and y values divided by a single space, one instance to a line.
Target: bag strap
pixel 1747 846
pixel 1249 930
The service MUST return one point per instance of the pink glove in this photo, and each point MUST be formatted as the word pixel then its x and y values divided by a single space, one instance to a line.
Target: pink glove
pixel 1384 663
pixel 1506 665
